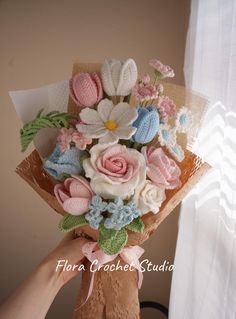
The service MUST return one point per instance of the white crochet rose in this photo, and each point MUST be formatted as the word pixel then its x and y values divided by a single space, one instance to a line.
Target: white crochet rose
pixel 149 198
pixel 118 78
pixel 115 170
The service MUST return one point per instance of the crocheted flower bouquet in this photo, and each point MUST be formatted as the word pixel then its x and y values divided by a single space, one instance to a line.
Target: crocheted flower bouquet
pixel 119 166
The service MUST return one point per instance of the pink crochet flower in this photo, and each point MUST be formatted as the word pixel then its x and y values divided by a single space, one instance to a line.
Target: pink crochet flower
pixel 74 195
pixel 86 89
pixel 160 88
pixel 162 170
pixel 80 140
pixel 68 136
pixel 143 92
pixel 145 79
pixel 64 138
pixel 165 71
pixel 166 107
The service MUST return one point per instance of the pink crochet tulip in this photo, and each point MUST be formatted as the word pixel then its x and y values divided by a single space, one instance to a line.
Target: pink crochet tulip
pixel 162 170
pixel 86 89
pixel 74 195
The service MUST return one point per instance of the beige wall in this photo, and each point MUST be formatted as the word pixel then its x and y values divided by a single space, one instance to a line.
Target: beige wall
pixel 39 42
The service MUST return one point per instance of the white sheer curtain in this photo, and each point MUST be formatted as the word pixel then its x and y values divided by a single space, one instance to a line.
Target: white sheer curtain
pixel 204 279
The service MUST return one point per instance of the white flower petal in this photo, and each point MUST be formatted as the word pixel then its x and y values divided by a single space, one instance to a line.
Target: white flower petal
pixel 92 130
pixel 107 80
pixel 128 77
pixel 105 108
pixel 123 114
pixel 125 132
pixel 108 138
pixel 115 66
pixel 90 116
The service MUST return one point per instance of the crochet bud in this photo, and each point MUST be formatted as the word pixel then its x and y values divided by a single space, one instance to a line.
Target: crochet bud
pixel 86 89
pixel 147 124
pixel 118 78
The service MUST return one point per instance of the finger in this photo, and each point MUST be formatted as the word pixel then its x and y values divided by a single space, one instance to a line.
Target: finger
pixel 67 237
pixel 76 248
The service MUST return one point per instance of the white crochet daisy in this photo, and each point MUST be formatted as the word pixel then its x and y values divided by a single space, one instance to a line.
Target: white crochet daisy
pixel 176 151
pixel 167 135
pixel 183 120
pixel 109 122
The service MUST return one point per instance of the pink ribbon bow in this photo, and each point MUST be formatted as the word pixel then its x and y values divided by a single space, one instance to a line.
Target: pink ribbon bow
pixel 130 255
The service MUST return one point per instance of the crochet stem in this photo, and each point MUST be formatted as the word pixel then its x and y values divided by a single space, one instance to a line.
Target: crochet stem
pixel 117 99
pixel 127 98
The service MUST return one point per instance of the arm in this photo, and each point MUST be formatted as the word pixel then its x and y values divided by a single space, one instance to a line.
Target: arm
pixel 35 295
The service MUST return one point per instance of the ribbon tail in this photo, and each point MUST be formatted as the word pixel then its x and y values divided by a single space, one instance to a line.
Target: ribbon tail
pixel 140 278
pixel 89 291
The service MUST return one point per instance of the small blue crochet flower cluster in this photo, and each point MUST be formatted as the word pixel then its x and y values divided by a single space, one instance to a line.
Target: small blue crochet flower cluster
pixel 121 214
pixel 96 207
pixel 147 124
pixel 59 163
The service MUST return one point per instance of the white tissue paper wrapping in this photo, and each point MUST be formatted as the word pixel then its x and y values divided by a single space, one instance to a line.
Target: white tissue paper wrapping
pixel 55 96
pixel 50 97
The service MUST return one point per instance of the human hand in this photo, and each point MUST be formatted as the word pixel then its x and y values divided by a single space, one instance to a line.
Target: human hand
pixel 34 296
pixel 69 250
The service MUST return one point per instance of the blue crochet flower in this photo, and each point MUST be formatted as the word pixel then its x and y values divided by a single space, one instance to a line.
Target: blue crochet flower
pixel 177 152
pixel 61 163
pixel 121 214
pixel 183 120
pixel 147 124
pixel 94 215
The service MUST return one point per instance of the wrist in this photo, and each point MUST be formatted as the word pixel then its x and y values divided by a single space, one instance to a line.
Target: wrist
pixel 48 270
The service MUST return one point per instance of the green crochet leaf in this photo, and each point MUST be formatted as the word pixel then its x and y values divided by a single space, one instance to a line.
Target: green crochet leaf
pixel 111 241
pixel 70 222
pixel 136 225
pixel 53 119
pixel 63 176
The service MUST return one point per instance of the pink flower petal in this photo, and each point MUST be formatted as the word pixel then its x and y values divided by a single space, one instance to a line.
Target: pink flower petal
pixel 117 164
pixel 77 189
pixel 67 183
pixel 98 83
pixel 162 170
pixel 60 193
pixel 76 206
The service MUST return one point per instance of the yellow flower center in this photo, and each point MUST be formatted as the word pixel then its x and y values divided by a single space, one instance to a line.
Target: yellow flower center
pixel 111 125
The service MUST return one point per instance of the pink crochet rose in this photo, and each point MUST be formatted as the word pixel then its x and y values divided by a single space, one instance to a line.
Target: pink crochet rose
pixel 162 170
pixel 115 171
pixel 74 195
pixel 165 71
pixel 68 136
pixel 86 89
pixel 166 107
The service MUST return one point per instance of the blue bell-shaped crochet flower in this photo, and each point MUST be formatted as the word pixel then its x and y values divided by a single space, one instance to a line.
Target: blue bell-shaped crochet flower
pixel 147 124
pixel 60 163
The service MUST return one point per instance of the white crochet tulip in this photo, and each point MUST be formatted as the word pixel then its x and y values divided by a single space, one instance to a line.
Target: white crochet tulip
pixel 119 77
